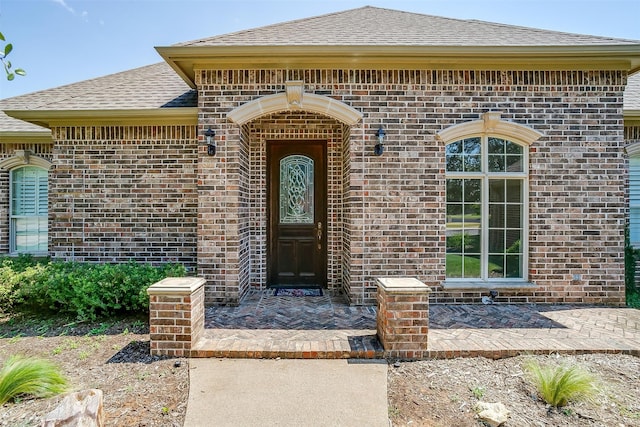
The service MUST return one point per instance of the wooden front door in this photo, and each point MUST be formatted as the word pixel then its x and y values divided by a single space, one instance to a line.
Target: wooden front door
pixel 297 253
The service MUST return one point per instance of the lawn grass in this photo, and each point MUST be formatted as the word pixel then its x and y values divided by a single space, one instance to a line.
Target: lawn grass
pixel 472 267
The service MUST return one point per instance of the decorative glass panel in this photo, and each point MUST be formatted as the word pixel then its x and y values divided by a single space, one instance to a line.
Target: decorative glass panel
pixel 296 190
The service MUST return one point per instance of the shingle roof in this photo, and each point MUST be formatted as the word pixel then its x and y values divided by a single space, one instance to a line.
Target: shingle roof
pixel 372 26
pixel 149 87
pixel 632 93
pixel 159 86
pixel 152 86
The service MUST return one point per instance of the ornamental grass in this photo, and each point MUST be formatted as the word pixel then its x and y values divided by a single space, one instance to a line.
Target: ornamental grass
pixel 559 384
pixel 22 376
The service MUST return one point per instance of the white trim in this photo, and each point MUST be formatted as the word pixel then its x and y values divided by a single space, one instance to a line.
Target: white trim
pixel 491 123
pixel 492 126
pixel 25 158
pixel 13 218
pixel 511 285
pixel 293 100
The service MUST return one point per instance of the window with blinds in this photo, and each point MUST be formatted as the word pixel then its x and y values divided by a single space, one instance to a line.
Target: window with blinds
pixel 29 207
pixel 634 200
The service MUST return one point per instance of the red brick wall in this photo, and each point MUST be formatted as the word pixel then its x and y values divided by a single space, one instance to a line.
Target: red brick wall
pixel 392 207
pixel 119 193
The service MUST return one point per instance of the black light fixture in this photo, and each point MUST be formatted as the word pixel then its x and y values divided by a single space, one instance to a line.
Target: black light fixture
pixel 379 148
pixel 210 134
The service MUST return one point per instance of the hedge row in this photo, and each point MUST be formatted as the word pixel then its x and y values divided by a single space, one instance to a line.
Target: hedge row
pixel 87 291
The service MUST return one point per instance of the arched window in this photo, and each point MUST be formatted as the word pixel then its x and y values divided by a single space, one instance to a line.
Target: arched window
pixel 486 209
pixel 28 196
pixel 487 199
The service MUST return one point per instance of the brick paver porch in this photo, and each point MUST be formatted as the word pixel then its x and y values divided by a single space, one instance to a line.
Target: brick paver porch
pixel 267 326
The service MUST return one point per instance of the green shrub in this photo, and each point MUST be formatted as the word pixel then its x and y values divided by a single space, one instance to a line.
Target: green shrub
pixel 631 257
pixel 82 289
pixel 557 385
pixel 91 290
pixel 30 376
pixel 16 273
pixel 633 300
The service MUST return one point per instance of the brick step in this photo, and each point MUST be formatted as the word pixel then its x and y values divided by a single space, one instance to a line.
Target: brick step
pixel 289 344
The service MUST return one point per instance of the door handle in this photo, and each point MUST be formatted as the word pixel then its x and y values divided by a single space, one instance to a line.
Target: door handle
pixel 319 235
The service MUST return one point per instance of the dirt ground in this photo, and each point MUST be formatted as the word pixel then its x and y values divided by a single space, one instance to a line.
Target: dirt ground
pixel 443 392
pixel 141 390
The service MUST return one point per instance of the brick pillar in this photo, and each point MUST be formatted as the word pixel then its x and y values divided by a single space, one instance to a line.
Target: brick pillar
pixel 176 315
pixel 403 317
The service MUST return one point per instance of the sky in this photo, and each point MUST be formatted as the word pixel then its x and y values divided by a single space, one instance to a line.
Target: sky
pixel 59 42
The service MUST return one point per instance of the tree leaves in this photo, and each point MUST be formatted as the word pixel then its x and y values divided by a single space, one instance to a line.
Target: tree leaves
pixel 8 48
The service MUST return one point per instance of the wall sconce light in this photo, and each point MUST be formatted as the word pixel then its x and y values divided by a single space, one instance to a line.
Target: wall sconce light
pixel 379 148
pixel 210 134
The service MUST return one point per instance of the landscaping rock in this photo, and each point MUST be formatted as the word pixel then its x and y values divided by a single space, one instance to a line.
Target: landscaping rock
pixel 81 409
pixel 494 414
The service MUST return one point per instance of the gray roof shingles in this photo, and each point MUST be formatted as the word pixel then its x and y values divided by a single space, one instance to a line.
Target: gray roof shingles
pixel 374 26
pixel 149 87
pixel 158 86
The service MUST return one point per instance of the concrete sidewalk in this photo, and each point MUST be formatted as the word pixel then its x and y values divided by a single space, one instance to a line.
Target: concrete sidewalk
pixel 275 392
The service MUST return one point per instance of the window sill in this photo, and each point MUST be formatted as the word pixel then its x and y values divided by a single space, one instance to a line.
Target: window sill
pixel 506 286
pixel 32 254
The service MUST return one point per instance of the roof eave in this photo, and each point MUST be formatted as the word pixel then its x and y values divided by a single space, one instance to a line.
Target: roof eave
pixel 30 136
pixel 185 59
pixel 53 118
pixel 631 117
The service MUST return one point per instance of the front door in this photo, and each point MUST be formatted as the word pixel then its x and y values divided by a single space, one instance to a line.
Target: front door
pixel 297 254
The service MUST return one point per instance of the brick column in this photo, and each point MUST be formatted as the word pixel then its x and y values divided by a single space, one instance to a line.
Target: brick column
pixel 403 317
pixel 176 315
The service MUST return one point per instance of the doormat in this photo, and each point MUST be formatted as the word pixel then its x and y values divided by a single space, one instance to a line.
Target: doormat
pixel 297 292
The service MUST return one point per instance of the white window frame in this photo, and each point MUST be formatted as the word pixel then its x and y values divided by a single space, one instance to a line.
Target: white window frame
pixel 13 218
pixel 633 152
pixel 484 178
pixel 492 124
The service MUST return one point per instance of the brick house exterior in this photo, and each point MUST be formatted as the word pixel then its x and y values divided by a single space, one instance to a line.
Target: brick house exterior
pixel 130 176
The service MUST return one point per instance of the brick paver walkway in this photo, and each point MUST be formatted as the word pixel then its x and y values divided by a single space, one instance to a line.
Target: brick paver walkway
pixel 267 326
pixel 507 330
pixel 326 327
